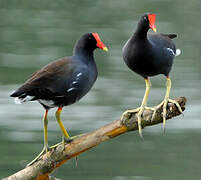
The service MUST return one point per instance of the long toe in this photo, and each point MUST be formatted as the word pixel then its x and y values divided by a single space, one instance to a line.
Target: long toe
pixel 128 112
pixel 164 105
pixel 68 140
pixel 154 109
pixel 177 104
pixel 44 150
pixel 164 114
pixel 139 120
pixel 139 112
pixel 154 113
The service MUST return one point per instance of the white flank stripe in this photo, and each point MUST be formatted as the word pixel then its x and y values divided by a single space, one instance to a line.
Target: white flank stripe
pixel 169 49
pixel 70 89
pixel 79 74
pixel 74 82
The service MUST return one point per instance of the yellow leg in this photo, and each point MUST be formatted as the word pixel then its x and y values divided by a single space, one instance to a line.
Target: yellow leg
pixel 45 147
pixel 148 87
pixel 167 94
pixel 58 113
pixel 143 104
pixel 141 109
pixel 165 102
pixel 45 121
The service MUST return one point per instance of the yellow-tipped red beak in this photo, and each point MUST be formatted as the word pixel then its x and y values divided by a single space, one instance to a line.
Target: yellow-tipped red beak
pixel 154 29
pixel 99 43
pixel 152 19
pixel 105 48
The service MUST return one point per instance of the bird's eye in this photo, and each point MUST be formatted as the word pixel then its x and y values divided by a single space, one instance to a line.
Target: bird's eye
pixel 89 37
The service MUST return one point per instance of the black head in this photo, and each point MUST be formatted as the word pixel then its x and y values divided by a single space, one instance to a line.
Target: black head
pixel 146 22
pixel 89 42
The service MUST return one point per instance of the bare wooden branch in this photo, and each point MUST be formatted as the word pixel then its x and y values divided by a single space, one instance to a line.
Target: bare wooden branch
pixel 57 156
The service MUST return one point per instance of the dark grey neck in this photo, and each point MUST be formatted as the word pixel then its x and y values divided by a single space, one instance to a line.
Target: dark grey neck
pixel 85 54
pixel 141 32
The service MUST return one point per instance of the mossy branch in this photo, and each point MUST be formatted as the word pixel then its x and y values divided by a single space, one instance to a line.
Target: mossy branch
pixel 57 156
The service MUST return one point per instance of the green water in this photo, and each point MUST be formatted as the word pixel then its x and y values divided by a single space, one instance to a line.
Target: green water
pixel 33 33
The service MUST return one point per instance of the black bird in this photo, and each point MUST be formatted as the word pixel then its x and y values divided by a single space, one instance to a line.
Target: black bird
pixel 150 55
pixel 62 82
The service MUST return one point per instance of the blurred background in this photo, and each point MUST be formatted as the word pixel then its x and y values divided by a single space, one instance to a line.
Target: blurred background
pixel 34 33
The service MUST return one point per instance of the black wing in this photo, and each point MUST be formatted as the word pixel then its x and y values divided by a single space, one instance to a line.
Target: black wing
pixel 43 82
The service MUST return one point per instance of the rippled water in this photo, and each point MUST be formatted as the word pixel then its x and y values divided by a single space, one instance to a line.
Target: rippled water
pixel 33 33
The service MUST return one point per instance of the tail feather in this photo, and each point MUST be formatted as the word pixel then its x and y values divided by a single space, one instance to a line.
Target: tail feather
pixel 21 97
pixel 171 36
pixel 18 93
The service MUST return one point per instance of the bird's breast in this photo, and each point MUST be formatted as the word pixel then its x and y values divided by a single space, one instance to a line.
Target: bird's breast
pixel 147 59
pixel 80 84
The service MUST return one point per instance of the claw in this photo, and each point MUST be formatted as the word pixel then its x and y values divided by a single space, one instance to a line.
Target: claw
pixel 76 162
pixel 139 119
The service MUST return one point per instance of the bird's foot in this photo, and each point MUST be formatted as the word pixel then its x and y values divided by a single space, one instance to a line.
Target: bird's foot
pixel 44 150
pixel 66 141
pixel 164 104
pixel 139 111
pixel 70 139
pixel 127 113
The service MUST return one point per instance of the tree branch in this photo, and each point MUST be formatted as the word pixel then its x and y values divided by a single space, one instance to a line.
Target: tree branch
pixel 57 156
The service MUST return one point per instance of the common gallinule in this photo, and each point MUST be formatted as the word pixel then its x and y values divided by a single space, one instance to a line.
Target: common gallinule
pixel 150 55
pixel 62 82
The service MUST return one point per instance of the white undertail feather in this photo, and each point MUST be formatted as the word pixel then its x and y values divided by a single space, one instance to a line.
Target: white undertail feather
pixel 22 100
pixel 178 52
pixel 17 101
